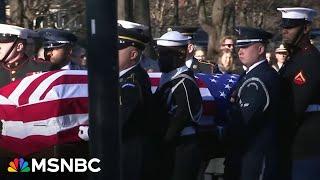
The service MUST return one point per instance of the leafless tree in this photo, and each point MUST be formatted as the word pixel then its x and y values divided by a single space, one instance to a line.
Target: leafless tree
pixel 220 23
pixel 66 14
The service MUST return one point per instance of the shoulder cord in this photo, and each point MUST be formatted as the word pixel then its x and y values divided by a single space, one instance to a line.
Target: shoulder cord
pixel 198 115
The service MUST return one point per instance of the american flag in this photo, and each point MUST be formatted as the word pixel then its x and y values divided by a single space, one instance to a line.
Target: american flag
pixel 46 109
pixel 215 90
pixel 43 110
pixel 221 87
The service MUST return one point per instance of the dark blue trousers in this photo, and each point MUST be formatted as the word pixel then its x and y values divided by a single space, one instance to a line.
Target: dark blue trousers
pixel 306 169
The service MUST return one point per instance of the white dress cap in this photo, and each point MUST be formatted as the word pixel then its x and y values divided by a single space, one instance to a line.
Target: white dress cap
pixel 298 13
pixel 173 38
pixel 132 25
pixel 281 48
pixel 22 33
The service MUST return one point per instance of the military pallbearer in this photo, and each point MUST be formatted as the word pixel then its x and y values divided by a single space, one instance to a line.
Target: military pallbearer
pixel 253 119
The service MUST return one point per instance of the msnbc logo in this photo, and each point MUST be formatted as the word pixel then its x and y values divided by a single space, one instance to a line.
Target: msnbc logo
pixel 18 165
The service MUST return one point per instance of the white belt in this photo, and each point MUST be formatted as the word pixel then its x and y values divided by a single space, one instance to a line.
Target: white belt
pixel 313 108
pixel 188 131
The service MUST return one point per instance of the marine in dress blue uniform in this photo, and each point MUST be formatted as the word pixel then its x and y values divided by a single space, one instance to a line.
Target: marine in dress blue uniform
pixel 181 102
pixel 301 83
pixel 251 134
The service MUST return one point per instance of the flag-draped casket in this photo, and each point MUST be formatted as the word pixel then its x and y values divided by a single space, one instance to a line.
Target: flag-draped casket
pixel 46 109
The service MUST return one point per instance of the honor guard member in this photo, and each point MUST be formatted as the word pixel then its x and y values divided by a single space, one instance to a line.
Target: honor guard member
pixel 146 62
pixel 138 151
pixel 135 105
pixel 191 62
pixel 15 64
pixel 301 82
pixel 181 101
pixel 58 45
pixel 197 65
pixel 251 133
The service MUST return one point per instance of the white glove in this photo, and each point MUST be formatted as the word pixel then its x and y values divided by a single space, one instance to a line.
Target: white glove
pixel 83 133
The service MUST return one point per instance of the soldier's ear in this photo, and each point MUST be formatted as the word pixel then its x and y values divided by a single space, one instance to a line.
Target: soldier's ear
pixel 133 54
pixel 69 51
pixel 190 48
pixel 307 28
pixel 261 49
pixel 20 47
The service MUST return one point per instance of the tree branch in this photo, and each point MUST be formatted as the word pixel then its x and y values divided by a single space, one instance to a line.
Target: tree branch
pixel 202 16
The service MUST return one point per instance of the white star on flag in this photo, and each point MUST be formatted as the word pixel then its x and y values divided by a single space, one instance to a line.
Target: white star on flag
pixel 231 81
pixel 227 86
pixel 233 76
pixel 213 80
pixel 223 94
pixel 217 75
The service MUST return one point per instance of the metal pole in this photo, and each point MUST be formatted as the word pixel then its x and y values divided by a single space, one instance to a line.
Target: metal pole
pixel 129 12
pixel 2 11
pixel 103 87
pixel 176 12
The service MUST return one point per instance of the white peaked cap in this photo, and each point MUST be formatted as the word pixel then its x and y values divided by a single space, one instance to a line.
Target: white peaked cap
pixel 22 33
pixel 281 48
pixel 132 25
pixel 173 38
pixel 298 13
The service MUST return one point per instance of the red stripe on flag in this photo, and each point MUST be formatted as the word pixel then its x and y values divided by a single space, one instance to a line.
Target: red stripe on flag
pixel 209 108
pixel 66 79
pixel 8 89
pixel 155 81
pixel 9 111
pixel 71 135
pixel 45 110
pixel 24 97
pixel 201 84
pixel 33 144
